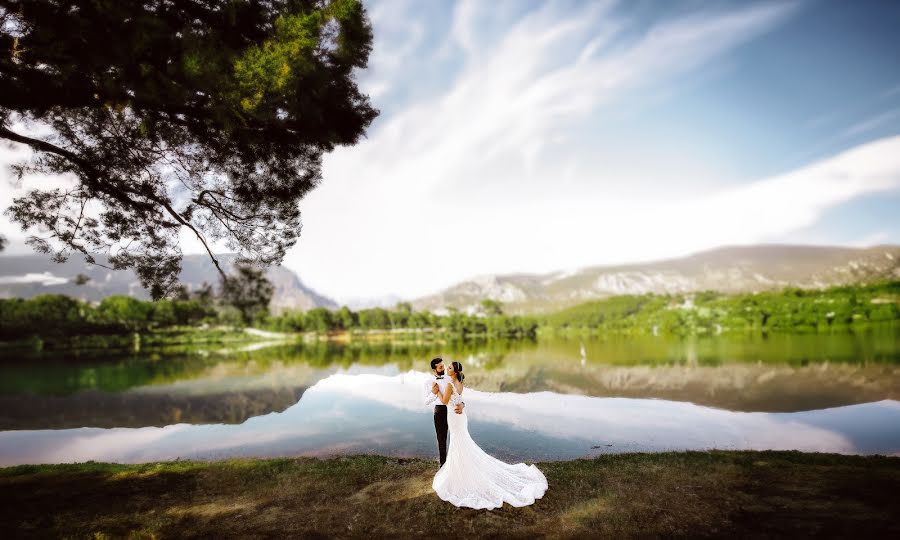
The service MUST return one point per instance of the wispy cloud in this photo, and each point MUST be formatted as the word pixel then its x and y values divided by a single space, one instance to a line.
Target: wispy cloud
pixel 873 239
pixel 891 92
pixel 871 123
pixel 518 94
pixel 762 210
pixel 395 49
pixel 451 183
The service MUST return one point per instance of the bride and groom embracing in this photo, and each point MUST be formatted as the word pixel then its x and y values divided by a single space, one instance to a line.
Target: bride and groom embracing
pixel 468 475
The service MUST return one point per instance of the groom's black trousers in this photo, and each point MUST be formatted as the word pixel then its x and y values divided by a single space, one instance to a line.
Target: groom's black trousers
pixel 440 427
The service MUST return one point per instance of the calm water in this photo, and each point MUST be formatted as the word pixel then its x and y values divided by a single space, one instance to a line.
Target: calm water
pixel 554 399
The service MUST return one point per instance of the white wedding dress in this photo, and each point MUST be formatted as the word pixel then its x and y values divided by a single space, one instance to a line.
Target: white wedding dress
pixel 470 477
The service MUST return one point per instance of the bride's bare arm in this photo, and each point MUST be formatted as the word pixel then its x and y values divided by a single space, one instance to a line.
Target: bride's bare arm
pixel 447 392
pixel 462 404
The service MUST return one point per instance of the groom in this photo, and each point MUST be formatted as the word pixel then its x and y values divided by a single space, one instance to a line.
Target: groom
pixel 434 387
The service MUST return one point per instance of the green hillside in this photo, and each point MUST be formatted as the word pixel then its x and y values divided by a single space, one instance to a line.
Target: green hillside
pixel 710 312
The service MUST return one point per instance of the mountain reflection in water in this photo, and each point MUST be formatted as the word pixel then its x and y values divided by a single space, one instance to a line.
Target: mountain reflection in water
pixel 375 413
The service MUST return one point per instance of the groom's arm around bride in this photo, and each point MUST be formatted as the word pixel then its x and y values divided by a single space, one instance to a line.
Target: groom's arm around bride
pixel 430 396
pixel 459 408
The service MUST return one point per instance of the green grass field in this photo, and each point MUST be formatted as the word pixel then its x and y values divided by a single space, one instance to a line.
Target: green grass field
pixel 693 494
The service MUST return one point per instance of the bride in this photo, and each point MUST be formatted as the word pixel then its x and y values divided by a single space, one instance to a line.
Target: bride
pixel 470 477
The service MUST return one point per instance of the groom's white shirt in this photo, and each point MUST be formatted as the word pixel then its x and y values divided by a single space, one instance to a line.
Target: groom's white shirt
pixel 434 399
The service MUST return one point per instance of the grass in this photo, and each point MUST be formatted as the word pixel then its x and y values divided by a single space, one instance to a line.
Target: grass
pixel 695 494
pixel 182 339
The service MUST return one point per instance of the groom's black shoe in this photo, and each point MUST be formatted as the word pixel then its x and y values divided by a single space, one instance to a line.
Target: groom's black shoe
pixel 440 428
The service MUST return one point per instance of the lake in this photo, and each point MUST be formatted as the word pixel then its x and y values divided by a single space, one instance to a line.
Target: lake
pixel 545 400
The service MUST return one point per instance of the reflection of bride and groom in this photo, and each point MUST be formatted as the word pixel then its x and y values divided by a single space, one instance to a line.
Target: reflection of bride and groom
pixel 468 475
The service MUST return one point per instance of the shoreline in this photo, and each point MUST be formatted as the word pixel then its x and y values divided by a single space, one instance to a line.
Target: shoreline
pixel 712 493
pixel 224 334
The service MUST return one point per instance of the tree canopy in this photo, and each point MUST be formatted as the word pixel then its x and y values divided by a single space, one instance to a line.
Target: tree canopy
pixel 205 115
pixel 248 291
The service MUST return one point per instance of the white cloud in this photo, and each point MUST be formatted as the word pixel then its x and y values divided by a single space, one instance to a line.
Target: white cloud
pixel 11 187
pixel 405 37
pixel 478 178
pixel 44 278
pixel 873 239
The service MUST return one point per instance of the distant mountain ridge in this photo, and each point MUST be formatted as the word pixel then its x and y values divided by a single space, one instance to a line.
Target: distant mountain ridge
pixel 736 269
pixel 26 276
pixel 728 269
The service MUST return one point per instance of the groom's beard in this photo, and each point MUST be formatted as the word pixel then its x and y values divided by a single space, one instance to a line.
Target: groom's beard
pixel 440 373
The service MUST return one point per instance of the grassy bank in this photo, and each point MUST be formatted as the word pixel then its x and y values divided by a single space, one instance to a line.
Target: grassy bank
pixel 696 494
pixel 182 339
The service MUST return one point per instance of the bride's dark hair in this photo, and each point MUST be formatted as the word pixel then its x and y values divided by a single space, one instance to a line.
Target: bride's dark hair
pixel 457 367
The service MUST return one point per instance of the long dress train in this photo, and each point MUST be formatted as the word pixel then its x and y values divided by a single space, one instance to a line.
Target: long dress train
pixel 471 477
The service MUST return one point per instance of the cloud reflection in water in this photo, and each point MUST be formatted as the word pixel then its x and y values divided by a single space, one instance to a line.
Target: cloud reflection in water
pixel 371 413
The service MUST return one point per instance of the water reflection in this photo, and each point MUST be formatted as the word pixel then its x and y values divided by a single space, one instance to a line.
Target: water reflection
pixel 546 399
pixel 785 373
pixel 371 413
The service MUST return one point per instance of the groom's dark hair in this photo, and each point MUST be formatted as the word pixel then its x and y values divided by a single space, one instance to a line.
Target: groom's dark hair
pixel 435 362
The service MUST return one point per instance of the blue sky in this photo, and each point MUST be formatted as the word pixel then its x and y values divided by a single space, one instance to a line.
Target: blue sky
pixel 521 136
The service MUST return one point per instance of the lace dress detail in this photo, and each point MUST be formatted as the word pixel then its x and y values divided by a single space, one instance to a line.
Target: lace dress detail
pixel 455 398
pixel 473 478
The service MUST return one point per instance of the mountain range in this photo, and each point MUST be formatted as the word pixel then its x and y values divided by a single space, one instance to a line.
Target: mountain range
pixel 737 269
pixel 29 275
